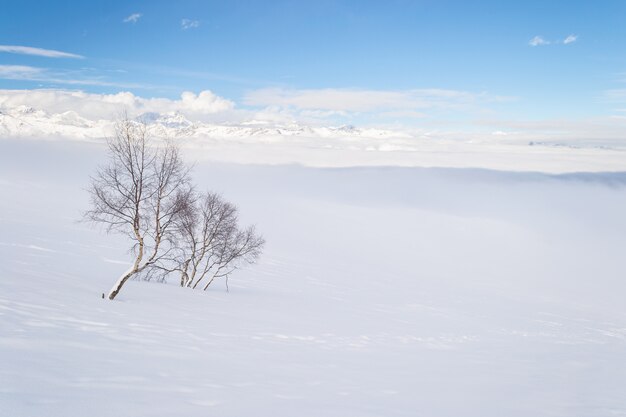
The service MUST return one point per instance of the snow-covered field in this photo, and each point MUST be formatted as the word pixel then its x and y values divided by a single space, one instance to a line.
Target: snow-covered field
pixel 381 292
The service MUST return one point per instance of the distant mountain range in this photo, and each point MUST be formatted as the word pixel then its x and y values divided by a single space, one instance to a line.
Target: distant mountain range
pixel 25 121
pixel 255 141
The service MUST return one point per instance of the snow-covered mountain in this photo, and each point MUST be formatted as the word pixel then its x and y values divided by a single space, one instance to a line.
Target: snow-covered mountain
pixel 262 141
pixel 25 121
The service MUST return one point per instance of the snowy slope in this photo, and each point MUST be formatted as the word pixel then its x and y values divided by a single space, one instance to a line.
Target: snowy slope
pixel 382 292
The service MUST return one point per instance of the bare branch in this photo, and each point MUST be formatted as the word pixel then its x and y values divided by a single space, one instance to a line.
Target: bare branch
pixel 211 245
pixel 139 193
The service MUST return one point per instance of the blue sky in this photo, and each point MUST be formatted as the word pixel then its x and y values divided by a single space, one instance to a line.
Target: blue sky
pixel 280 53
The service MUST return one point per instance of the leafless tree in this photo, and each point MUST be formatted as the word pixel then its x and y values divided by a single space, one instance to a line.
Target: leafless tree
pixel 140 193
pixel 210 243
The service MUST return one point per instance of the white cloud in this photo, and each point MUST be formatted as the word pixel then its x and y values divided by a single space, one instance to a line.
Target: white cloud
pixel 189 24
pixel 204 102
pixel 351 100
pixel 28 50
pixel 570 39
pixel 538 41
pixel 107 106
pixel 133 18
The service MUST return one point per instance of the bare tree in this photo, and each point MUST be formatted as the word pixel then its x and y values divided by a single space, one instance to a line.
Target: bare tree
pixel 210 243
pixel 140 193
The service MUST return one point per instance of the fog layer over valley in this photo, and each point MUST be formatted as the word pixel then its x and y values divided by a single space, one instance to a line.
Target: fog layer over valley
pixel 382 291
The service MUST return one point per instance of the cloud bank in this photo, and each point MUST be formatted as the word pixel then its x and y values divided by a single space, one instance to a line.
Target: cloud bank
pixel 217 129
pixel 302 110
pixel 108 106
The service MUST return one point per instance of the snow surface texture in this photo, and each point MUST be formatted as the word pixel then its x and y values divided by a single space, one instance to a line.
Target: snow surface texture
pixel 382 292
pixel 254 141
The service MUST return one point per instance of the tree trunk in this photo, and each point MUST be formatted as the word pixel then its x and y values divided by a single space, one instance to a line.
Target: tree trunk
pixel 120 282
pixel 208 283
pixel 132 271
pixel 184 276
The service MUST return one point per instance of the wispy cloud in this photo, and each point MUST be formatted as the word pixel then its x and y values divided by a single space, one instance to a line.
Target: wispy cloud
pixel 615 95
pixel 570 39
pixel 18 72
pixel 133 18
pixel 538 41
pixel 351 100
pixel 65 77
pixel 29 50
pixel 189 24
